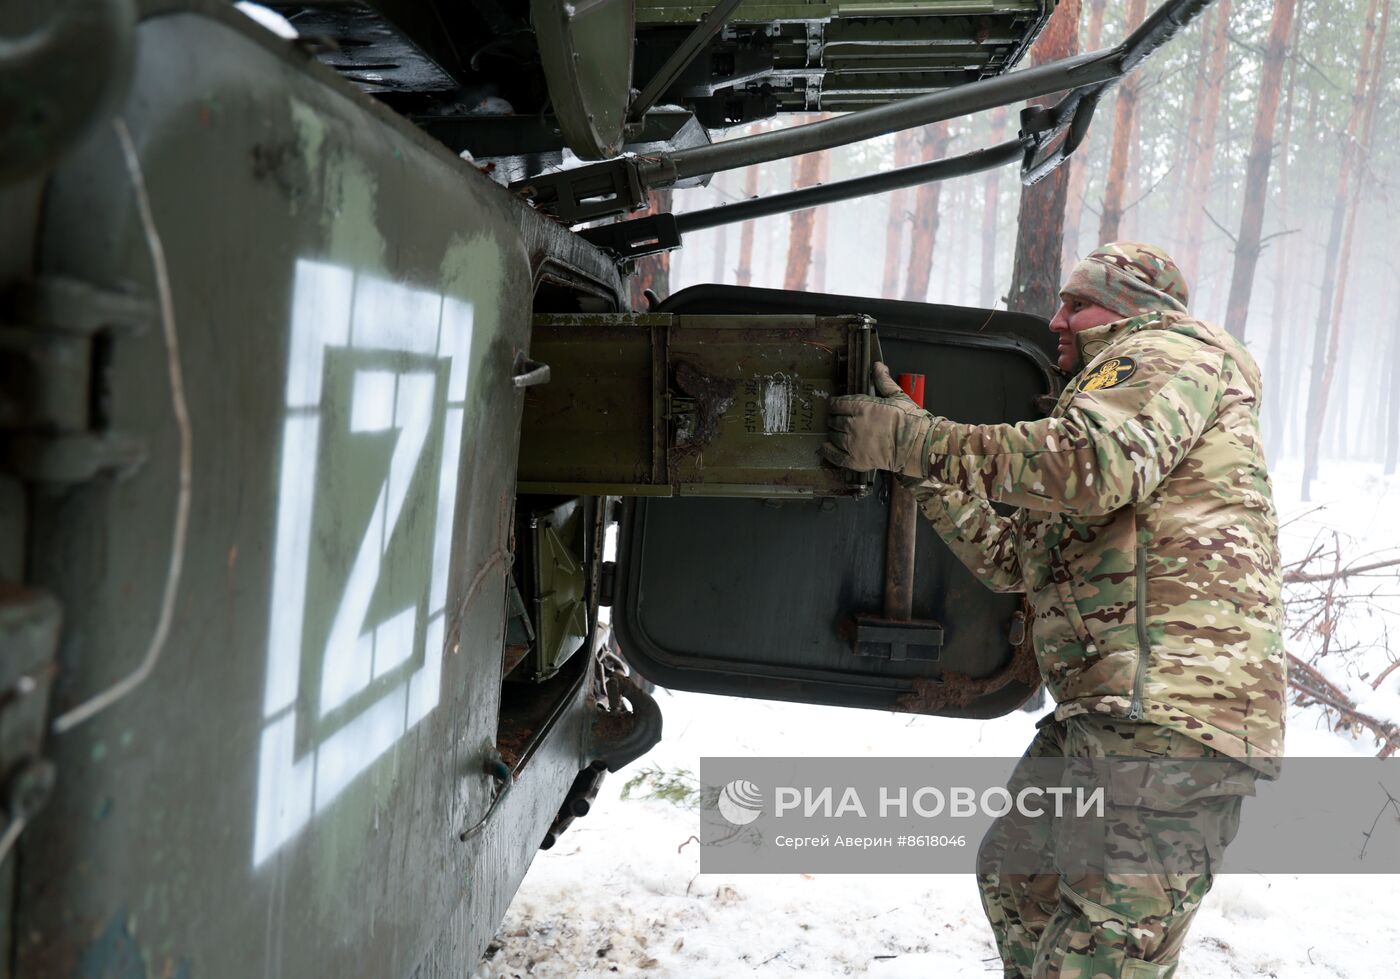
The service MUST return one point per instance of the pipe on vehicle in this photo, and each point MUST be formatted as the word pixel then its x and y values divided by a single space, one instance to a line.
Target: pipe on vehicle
pixel 1058 76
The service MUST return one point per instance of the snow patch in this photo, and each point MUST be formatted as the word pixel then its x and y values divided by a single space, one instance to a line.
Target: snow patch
pixel 270 19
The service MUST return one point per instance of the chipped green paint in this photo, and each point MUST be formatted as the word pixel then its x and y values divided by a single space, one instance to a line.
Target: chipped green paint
pixel 311 134
pixel 473 269
pixel 346 188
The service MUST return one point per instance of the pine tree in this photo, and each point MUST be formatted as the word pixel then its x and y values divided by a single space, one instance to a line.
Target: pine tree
pixel 1035 273
pixel 1124 134
pixel 1256 179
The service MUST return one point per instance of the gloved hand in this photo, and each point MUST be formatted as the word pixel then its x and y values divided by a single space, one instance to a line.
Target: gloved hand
pixel 885 432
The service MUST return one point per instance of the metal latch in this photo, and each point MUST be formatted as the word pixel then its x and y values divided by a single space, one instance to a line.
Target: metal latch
pixel 56 345
pixel 898 640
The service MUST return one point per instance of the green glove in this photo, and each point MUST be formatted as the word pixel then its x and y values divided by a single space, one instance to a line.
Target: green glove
pixel 886 432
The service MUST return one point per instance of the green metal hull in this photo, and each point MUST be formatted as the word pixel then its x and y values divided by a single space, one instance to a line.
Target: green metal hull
pixel 350 301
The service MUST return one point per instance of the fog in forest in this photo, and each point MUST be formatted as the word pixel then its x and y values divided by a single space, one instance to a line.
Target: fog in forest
pixel 1323 308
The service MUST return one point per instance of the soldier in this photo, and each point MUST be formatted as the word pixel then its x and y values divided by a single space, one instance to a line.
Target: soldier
pixel 1146 541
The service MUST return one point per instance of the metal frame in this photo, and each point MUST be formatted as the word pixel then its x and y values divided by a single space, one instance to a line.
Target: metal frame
pixel 591 192
pixel 681 58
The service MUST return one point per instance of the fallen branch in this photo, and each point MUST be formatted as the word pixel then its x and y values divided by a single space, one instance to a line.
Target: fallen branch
pixel 1299 578
pixel 1313 684
pixel 1376 684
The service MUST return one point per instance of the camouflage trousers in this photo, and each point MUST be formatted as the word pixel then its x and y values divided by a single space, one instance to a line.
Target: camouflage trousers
pixel 1074 923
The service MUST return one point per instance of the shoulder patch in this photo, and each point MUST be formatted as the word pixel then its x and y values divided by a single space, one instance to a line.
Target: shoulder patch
pixel 1110 373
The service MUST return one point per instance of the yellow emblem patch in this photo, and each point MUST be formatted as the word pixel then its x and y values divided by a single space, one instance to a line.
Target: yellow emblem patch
pixel 1109 374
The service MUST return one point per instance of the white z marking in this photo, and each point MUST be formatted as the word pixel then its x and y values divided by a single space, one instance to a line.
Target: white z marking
pixel 334 307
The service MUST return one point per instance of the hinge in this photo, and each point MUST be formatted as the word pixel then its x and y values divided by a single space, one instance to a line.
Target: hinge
pixel 57 339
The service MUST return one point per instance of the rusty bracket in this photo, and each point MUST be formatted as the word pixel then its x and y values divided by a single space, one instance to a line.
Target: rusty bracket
pixel 617 739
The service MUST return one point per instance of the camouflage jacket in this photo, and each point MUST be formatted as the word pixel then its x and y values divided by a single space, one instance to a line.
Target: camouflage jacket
pixel 1145 537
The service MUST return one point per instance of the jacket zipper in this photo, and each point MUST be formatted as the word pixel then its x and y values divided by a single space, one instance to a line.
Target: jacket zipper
pixel 1144 643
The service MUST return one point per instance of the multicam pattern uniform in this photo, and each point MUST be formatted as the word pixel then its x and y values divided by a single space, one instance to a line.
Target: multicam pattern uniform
pixel 1127 923
pixel 1147 541
pixel 1146 538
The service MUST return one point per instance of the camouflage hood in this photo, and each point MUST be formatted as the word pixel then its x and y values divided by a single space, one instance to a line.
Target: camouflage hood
pixel 1129 277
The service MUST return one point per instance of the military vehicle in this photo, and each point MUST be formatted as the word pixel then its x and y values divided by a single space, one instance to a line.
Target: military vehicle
pixel 324 444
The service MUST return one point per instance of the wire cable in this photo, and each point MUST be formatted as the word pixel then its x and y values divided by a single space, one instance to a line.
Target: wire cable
pixel 100 702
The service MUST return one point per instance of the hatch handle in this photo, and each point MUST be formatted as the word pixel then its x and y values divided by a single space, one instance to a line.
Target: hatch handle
pixel 529 373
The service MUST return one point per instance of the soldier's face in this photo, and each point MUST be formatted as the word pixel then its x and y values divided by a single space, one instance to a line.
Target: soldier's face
pixel 1074 315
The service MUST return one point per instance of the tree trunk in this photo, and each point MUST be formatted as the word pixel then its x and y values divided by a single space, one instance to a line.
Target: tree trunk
pixel 720 272
pixel 1325 345
pixel 800 225
pixel 904 147
pixel 1299 288
pixel 654 271
pixel 955 272
pixel 1198 180
pixel 1271 409
pixel 1190 148
pixel 1078 163
pixel 1040 219
pixel 1361 152
pixel 743 274
pixel 991 191
pixel 1392 435
pixel 1124 132
pixel 923 226
pixel 819 227
pixel 1256 173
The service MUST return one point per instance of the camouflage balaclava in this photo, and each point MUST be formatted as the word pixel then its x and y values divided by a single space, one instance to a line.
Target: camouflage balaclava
pixel 1128 278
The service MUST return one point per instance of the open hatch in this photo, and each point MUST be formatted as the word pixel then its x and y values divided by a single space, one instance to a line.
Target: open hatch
pixel 762 597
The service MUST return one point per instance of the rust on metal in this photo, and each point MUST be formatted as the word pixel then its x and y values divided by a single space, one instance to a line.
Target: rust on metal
pixel 713 397
pixel 935 694
pixel 899 553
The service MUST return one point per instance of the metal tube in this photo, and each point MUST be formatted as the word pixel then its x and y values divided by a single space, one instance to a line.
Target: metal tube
pixel 922 110
pixel 899 553
pixel 682 57
pixel 878 183
pixel 881 120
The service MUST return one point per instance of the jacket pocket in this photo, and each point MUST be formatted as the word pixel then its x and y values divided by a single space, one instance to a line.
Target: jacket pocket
pixel 1099 570
pixel 1064 591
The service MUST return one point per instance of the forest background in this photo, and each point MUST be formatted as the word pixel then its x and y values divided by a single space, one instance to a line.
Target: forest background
pixel 1259 149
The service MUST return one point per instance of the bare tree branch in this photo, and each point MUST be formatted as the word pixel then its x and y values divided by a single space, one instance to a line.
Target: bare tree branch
pixel 1228 233
pixel 1340 574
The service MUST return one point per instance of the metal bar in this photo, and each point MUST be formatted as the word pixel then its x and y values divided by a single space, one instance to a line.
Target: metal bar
pixel 902 530
pixel 1087 69
pixel 899 553
pixel 681 58
pixel 1072 115
pixel 797 200
pixel 616 186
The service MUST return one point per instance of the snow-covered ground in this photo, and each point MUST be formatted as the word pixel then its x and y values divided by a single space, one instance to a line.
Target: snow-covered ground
pixel 621 893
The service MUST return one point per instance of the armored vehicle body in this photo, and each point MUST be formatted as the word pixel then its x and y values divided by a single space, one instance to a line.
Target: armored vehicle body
pixel 317 438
